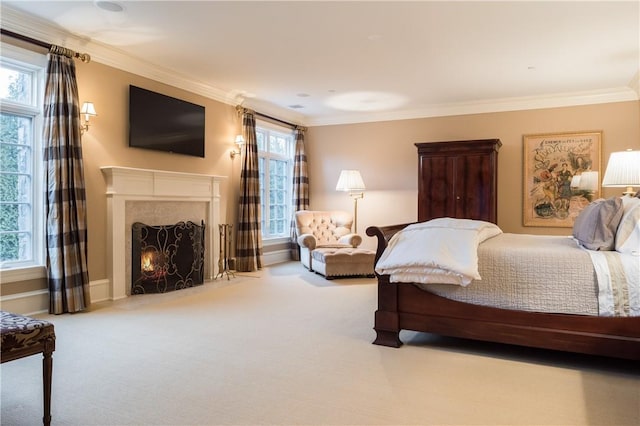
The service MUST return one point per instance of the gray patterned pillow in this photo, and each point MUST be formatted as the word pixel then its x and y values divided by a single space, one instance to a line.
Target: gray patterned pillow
pixel 595 227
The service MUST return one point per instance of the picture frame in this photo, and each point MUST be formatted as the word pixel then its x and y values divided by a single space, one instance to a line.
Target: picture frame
pixel 550 162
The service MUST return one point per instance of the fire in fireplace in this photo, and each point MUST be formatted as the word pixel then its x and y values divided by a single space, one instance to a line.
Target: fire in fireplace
pixel 166 257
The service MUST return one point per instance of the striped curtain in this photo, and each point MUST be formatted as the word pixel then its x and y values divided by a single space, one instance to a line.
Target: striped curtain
pixel 249 238
pixel 300 189
pixel 65 200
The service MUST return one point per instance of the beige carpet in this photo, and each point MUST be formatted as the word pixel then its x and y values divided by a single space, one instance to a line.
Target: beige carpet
pixel 287 347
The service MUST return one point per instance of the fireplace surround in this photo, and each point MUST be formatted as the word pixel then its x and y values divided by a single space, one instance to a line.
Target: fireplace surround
pixel 156 196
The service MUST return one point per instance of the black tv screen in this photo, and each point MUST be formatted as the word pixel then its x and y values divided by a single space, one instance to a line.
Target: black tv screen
pixel 164 123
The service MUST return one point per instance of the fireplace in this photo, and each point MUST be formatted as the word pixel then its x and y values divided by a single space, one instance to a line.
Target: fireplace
pixel 166 257
pixel 155 197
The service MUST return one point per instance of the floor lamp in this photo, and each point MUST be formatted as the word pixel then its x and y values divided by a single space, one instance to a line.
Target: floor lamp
pixel 350 181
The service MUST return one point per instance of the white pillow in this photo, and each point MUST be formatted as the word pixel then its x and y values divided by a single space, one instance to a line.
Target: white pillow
pixel 628 233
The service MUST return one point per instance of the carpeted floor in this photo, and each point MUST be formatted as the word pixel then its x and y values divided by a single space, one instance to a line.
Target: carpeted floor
pixel 286 347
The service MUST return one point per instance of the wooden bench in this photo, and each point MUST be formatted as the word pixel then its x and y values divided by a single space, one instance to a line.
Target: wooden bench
pixel 24 336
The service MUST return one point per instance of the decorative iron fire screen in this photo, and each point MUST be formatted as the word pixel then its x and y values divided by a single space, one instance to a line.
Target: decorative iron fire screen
pixel 166 257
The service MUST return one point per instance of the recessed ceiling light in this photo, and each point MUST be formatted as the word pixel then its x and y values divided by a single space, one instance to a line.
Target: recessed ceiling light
pixel 109 6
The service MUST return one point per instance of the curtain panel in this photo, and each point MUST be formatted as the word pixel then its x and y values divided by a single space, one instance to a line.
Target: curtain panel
pixel 249 237
pixel 300 189
pixel 65 198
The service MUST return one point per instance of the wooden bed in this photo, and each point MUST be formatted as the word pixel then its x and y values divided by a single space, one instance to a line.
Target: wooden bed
pixel 404 306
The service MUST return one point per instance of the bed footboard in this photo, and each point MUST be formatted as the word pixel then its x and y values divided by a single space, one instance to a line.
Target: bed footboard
pixel 387 322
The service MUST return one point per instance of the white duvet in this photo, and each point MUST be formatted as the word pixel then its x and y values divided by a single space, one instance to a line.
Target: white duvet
pixel 443 250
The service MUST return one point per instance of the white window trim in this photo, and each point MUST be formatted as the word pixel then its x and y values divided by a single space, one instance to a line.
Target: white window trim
pixel 27 59
pixel 274 240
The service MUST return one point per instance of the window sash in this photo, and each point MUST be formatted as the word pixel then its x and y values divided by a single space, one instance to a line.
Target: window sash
pixel 275 152
pixel 22 220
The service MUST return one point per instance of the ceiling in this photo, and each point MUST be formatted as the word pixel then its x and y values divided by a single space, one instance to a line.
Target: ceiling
pixel 330 62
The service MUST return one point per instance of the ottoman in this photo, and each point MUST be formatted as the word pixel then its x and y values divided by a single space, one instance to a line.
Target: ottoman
pixel 343 262
pixel 25 336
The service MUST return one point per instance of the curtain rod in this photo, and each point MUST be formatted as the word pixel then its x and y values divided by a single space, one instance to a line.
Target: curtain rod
pixel 84 57
pixel 240 108
pixel 286 123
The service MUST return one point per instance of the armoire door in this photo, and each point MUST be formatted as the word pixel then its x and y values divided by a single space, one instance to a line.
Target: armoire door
pixel 458 179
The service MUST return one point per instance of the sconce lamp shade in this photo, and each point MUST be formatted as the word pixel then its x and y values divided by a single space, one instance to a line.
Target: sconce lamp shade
pixel 588 181
pixel 575 182
pixel 88 109
pixel 239 140
pixel 623 170
pixel 349 181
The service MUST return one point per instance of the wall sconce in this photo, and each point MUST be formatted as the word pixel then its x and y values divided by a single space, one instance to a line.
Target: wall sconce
pixel 623 170
pixel 88 110
pixel 240 143
pixel 351 181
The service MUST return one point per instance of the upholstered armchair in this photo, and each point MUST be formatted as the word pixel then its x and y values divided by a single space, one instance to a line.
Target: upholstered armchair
pixel 324 229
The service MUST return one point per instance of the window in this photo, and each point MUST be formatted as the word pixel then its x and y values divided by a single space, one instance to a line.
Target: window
pixel 275 162
pixel 21 194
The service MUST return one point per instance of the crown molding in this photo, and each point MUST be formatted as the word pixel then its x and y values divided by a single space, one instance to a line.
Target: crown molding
pixel 37 28
pixel 622 94
pixel 43 30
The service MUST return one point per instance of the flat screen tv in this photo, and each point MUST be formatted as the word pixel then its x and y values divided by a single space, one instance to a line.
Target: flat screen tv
pixel 163 123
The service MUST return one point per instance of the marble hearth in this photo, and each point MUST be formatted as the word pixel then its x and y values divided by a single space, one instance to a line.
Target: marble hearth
pixel 156 197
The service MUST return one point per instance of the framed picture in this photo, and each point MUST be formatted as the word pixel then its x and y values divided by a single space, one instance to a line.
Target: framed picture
pixel 554 165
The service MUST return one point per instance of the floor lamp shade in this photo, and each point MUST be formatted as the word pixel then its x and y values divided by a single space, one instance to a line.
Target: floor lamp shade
pixel 350 181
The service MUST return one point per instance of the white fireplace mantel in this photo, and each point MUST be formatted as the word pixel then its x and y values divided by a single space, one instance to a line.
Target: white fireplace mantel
pixel 131 184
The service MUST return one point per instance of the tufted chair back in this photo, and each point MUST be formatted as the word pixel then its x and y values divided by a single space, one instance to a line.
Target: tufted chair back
pixel 317 229
pixel 326 226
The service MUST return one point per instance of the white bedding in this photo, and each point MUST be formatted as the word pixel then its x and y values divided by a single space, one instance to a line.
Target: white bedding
pixel 412 256
pixel 618 282
pixel 538 273
pixel 512 271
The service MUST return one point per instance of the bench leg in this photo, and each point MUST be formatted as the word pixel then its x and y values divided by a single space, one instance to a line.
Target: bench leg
pixel 47 374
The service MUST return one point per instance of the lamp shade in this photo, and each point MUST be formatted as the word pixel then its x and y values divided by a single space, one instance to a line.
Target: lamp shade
pixel 88 109
pixel 575 181
pixel 623 169
pixel 588 181
pixel 350 180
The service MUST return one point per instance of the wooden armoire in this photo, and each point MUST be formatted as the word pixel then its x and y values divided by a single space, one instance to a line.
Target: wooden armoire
pixel 458 179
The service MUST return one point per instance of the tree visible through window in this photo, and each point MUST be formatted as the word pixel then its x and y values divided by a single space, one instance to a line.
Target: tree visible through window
pixel 275 162
pixel 20 240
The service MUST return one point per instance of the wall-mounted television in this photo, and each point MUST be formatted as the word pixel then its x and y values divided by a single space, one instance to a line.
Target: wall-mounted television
pixel 163 123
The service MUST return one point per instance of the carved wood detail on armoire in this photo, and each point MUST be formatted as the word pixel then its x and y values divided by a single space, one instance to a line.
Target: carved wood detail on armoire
pixel 458 179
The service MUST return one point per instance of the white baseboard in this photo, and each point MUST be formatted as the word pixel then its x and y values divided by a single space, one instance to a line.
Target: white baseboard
pixel 37 302
pixel 100 290
pixel 27 303
pixel 278 256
